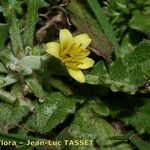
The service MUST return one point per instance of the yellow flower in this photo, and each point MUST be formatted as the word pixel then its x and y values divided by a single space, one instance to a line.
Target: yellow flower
pixel 73 52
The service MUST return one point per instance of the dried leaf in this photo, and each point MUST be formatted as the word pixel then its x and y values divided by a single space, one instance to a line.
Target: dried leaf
pixel 85 23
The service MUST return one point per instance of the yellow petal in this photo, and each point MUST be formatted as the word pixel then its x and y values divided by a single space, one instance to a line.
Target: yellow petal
pixel 77 75
pixel 65 37
pixel 83 39
pixel 86 63
pixel 84 54
pixel 53 48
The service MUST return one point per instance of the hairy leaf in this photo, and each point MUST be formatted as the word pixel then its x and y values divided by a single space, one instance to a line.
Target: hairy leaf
pixel 61 86
pixel 140 115
pixel 139 55
pixel 36 88
pixel 6 81
pixel 31 20
pixel 125 74
pixel 17 91
pixel 95 128
pixel 51 113
pixel 7 57
pixel 9 8
pixel 99 107
pixel 125 47
pixel 132 111
pixel 11 115
pixel 138 24
pixel 146 68
pixel 28 64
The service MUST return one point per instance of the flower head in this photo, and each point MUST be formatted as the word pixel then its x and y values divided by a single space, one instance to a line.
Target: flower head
pixel 73 52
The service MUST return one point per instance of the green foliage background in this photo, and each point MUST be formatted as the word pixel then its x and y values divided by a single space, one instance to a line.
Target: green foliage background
pixel 38 99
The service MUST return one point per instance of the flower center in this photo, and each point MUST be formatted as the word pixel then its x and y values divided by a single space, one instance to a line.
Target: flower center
pixel 70 56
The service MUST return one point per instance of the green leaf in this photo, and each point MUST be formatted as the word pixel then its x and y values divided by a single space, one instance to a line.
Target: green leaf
pixel 140 115
pixel 28 64
pixel 99 107
pixel 36 88
pixel 34 62
pixel 16 38
pixel 53 66
pixel 6 81
pixel 51 113
pixel 138 24
pixel 139 55
pixel 118 70
pixel 92 79
pixel 135 139
pixel 31 20
pixel 125 47
pixel 127 73
pixel 2 68
pixel 121 13
pixel 97 74
pixel 25 65
pixel 6 96
pixel 21 139
pixel 61 86
pixel 132 111
pixel 91 127
pixel 11 114
pixel 18 138
pixel 17 91
pixel 9 11
pixel 146 68
pixel 3 34
pixel 7 57
pixel 122 79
